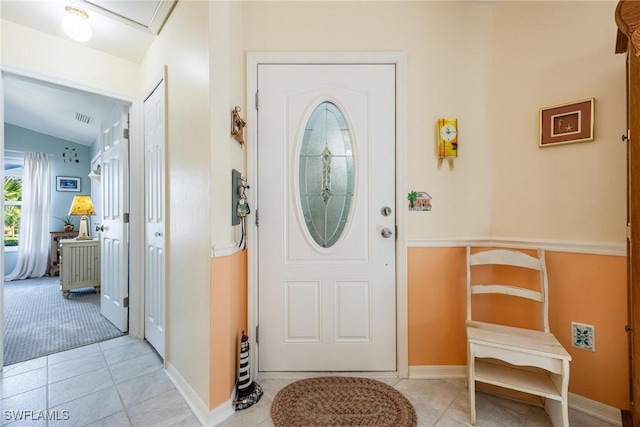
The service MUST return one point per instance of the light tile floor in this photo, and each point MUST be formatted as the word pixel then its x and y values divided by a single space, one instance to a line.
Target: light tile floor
pixel 116 383
pixel 441 403
pixel 120 383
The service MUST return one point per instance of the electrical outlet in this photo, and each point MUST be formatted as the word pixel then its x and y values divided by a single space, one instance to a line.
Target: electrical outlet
pixel 583 336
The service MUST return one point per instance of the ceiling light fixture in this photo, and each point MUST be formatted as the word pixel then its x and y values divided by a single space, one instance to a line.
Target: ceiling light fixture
pixel 75 24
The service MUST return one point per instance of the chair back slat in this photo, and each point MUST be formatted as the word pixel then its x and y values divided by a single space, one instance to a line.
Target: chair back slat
pixel 507 290
pixel 505 257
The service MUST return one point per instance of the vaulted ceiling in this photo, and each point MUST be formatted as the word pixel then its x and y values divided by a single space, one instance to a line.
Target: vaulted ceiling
pixel 120 27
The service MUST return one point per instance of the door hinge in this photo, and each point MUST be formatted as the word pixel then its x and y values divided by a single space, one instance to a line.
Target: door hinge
pixel 396 230
pixel 125 218
pixel 125 133
pixel 125 302
pixel 257 224
pixel 257 334
pixel 629 232
pixel 256 100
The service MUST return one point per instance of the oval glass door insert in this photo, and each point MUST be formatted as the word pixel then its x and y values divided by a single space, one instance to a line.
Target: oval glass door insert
pixel 326 174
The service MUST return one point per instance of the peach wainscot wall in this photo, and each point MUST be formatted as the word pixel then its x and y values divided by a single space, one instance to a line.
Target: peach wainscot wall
pixel 583 288
pixel 228 320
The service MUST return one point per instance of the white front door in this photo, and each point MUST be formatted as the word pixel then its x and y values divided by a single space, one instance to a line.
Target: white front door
pixel 326 211
pixel 154 208
pixel 114 277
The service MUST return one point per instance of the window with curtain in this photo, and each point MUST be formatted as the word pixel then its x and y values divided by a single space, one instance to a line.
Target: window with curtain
pixel 13 170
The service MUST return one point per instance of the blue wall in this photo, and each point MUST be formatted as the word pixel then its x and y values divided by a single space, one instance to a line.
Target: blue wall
pixel 20 139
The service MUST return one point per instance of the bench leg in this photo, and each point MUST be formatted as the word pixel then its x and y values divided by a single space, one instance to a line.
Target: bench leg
pixel 558 412
pixel 471 384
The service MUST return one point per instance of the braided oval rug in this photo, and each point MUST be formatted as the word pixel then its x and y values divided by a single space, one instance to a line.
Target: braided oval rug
pixel 341 401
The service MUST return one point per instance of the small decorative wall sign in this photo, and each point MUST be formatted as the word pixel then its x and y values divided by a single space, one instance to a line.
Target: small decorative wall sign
pixel 567 123
pixel 419 201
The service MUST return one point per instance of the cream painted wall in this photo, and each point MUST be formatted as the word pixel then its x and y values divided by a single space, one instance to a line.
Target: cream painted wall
pixel 227 83
pixel 63 59
pixel 548 53
pixel 448 47
pixel 183 45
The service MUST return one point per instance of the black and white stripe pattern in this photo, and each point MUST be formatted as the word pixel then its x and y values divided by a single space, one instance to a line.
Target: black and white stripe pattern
pixel 249 392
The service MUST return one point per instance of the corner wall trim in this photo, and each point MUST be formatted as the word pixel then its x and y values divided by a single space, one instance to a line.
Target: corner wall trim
pixel 587 406
pixel 591 248
pixel 227 249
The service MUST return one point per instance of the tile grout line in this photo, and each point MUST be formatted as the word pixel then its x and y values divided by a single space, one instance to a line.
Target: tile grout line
pixel 115 386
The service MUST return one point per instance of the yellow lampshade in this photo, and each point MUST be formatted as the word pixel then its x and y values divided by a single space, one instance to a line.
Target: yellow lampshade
pixel 82 205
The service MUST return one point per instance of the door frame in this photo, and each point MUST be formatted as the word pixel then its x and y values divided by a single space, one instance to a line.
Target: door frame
pixel 136 187
pixel 399 59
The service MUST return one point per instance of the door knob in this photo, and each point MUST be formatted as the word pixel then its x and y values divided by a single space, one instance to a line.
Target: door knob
pixel 157 234
pixel 386 233
pixel 99 228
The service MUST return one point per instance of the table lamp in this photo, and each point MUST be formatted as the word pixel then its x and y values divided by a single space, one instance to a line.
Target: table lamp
pixel 82 205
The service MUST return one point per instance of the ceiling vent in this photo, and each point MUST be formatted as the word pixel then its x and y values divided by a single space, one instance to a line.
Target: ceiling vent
pixel 83 118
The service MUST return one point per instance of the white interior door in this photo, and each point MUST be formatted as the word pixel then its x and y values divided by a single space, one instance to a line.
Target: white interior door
pixel 114 275
pixel 326 202
pixel 154 206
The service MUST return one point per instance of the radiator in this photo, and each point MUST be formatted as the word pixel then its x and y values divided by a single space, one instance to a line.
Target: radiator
pixel 79 265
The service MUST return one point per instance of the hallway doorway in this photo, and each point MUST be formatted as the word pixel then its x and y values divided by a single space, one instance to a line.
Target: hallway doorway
pixel 134 214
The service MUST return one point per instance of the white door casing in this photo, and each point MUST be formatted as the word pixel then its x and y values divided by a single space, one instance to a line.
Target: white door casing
pixel 326 309
pixel 155 257
pixel 114 282
pixel 135 179
pixel 2 215
pixel 96 193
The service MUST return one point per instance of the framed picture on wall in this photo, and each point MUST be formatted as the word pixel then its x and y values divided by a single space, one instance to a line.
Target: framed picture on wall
pixel 68 183
pixel 566 123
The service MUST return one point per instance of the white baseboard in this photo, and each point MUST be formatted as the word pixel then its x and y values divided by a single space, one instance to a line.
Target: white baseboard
pixel 595 409
pixel 435 372
pixel 198 407
pixel 590 407
pixel 223 411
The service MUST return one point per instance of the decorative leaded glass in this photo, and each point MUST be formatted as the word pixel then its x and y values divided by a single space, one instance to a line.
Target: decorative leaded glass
pixel 326 174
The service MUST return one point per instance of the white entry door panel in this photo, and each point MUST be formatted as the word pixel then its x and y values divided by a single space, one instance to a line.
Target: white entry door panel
pixel 154 206
pixel 114 282
pixel 326 173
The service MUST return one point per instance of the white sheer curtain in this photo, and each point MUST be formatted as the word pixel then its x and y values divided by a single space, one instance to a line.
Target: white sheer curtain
pixel 34 241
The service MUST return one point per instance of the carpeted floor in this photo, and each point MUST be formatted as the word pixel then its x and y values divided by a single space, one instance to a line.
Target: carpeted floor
pixel 38 321
pixel 341 401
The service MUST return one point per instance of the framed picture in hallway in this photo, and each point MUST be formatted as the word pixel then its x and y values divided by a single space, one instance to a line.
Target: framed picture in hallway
pixel 68 183
pixel 567 123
